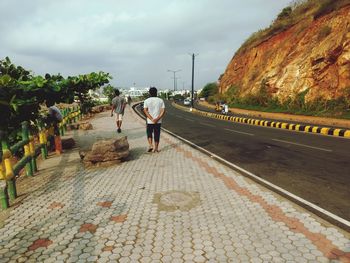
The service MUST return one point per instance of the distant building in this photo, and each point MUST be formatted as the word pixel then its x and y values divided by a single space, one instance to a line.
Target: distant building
pixel 134 92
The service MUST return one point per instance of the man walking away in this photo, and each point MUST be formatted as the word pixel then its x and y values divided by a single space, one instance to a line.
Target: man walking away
pixel 154 109
pixel 118 106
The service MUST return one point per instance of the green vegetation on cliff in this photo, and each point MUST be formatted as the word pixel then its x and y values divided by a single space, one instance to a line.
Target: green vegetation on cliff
pixel 289 16
pixel 262 101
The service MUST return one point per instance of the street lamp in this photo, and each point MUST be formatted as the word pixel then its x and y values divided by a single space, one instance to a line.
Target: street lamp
pixel 174 71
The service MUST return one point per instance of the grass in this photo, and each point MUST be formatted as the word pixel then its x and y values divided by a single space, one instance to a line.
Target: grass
pixel 279 109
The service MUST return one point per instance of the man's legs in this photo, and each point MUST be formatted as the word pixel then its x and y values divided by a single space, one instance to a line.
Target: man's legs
pixel 156 136
pixel 149 136
pixel 119 118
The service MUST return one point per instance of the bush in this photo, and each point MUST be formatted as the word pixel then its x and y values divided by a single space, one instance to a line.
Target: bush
pixel 346 95
pixel 212 100
pixel 209 89
pixel 286 12
pixel 328 6
pixel 324 32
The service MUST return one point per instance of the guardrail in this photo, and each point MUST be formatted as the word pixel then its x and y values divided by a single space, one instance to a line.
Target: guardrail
pixel 33 145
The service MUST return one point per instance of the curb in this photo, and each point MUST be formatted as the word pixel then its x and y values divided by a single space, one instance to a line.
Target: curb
pixel 273 124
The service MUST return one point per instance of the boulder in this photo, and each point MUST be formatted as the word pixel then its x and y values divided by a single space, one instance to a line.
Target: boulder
pixel 68 143
pixel 100 108
pixel 85 126
pixel 97 109
pixel 107 107
pixel 106 152
pixel 73 126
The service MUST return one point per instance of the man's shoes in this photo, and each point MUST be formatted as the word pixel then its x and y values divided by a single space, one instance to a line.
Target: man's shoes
pixel 119 130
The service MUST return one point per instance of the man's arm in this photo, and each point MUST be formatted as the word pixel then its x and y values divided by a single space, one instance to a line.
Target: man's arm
pixel 113 107
pixel 124 104
pixel 145 110
pixel 162 112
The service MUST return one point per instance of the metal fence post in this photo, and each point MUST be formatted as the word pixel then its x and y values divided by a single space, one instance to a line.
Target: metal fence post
pixel 42 140
pixel 4 199
pixel 9 175
pixel 65 119
pixel 32 153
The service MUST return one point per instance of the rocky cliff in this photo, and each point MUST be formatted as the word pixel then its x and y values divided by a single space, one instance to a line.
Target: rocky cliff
pixel 312 56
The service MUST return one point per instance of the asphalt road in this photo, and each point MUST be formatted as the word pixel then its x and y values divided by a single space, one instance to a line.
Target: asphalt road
pixel 312 166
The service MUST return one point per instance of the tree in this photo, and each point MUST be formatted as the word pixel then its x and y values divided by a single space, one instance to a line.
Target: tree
pixel 80 86
pixel 108 91
pixel 22 93
pixel 209 90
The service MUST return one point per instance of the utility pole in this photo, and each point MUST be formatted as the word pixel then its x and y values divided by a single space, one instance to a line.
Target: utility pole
pixel 174 72
pixel 176 82
pixel 192 91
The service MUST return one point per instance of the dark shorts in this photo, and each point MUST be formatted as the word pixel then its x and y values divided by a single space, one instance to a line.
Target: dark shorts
pixel 153 129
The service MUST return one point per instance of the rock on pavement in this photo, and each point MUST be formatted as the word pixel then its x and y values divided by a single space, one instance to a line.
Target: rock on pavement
pixel 106 152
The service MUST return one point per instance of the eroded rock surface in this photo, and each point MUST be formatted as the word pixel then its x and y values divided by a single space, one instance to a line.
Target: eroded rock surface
pixel 311 56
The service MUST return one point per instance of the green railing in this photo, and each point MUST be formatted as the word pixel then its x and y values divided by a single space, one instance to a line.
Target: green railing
pixel 10 170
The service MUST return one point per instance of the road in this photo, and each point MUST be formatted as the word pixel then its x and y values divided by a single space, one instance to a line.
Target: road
pixel 312 166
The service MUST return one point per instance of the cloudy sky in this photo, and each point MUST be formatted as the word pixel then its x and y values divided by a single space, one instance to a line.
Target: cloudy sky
pixel 136 41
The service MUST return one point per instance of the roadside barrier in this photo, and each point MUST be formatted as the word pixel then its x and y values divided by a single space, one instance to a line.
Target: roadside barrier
pixel 30 147
pixel 273 124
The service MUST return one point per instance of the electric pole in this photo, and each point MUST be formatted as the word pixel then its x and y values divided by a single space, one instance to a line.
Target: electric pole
pixel 192 91
pixel 174 72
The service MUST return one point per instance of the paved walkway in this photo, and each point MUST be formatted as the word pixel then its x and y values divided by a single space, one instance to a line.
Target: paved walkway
pixel 178 205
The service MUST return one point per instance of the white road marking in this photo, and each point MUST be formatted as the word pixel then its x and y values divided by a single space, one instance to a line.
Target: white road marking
pixel 246 133
pixel 303 145
pixel 189 119
pixel 206 124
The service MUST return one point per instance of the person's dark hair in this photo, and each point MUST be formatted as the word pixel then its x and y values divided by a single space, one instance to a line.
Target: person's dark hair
pixel 116 92
pixel 153 91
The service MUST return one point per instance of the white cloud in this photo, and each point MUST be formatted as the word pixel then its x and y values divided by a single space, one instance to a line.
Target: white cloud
pixel 134 40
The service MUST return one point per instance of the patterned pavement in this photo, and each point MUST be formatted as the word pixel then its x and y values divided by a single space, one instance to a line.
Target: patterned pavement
pixel 178 205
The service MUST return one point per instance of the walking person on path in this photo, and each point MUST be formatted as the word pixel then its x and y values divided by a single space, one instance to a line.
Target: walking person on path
pixel 129 100
pixel 154 109
pixel 54 117
pixel 118 107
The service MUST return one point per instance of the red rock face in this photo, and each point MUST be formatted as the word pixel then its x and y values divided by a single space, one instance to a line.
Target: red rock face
pixel 313 55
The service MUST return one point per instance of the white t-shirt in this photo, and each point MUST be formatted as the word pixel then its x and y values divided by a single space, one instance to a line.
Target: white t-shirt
pixel 154 106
